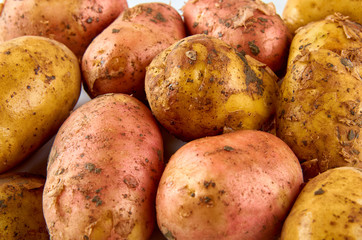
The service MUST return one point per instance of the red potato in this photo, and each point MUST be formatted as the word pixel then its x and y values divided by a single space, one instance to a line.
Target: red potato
pixel 250 26
pixel 116 60
pixel 238 185
pixel 103 171
pixel 73 23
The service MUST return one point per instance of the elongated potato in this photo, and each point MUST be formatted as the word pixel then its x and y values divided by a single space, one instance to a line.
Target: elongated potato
pixel 39 86
pixel 116 60
pixel 200 86
pixel 250 26
pixel 329 207
pixel 298 13
pixel 103 172
pixel 234 186
pixel 319 111
pixel 74 23
pixel 21 213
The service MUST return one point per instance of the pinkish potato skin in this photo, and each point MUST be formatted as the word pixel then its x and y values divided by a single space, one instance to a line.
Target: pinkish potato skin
pixel 74 23
pixel 103 172
pixel 116 60
pixel 249 26
pixel 239 185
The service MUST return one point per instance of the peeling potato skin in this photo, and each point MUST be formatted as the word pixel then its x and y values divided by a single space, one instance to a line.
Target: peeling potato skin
pixel 328 207
pixel 298 13
pixel 116 61
pixel 242 24
pixel 238 185
pixel 200 86
pixel 74 23
pixel 102 178
pixel 21 213
pixel 39 85
pixel 319 112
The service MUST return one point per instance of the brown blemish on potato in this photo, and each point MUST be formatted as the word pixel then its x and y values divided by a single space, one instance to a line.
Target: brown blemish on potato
pixel 130 181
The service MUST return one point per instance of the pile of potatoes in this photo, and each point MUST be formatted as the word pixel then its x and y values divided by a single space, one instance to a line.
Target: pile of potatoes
pixel 224 121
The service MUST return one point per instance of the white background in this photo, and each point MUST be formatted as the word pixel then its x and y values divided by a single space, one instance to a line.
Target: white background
pixel 37 162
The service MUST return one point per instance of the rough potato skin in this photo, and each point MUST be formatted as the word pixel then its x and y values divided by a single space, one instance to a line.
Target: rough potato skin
pixel 299 13
pixel 250 26
pixel 116 60
pixel 238 185
pixel 328 207
pixel 21 213
pixel 74 23
pixel 103 171
pixel 319 108
pixel 39 85
pixel 200 86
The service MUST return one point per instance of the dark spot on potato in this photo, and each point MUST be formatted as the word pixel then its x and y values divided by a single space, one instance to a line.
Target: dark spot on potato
pixel 319 192
pixel 130 181
pixel 253 48
pixel 228 148
pixel 89 20
pixel 346 62
pixel 2 204
pixel 195 24
pixel 169 235
pixel 7 52
pixel 209 183
pixel 351 135
pixel 36 70
pixel 114 30
pixel 160 17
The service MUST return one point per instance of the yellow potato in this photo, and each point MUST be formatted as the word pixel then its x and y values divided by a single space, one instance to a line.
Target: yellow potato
pixel 200 87
pixel 319 108
pixel 21 214
pixel 329 207
pixel 39 86
pixel 298 13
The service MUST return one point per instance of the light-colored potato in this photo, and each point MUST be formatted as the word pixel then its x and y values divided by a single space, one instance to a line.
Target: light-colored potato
pixel 116 61
pixel 238 185
pixel 201 86
pixel 250 26
pixel 319 111
pixel 329 207
pixel 21 213
pixel 72 22
pixel 103 171
pixel 298 13
pixel 39 86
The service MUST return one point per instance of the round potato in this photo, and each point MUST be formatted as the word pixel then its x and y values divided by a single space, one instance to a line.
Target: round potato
pixel 328 207
pixel 298 13
pixel 74 23
pixel 103 171
pixel 250 26
pixel 39 85
pixel 319 109
pixel 200 86
pixel 116 61
pixel 21 213
pixel 238 185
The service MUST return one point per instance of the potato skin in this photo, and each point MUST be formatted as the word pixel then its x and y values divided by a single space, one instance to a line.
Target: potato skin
pixel 250 26
pixel 328 207
pixel 39 86
pixel 21 213
pixel 200 86
pixel 116 60
pixel 238 185
pixel 103 171
pixel 74 23
pixel 298 13
pixel 319 108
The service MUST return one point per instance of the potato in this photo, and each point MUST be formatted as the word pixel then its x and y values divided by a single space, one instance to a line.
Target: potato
pixel 319 110
pixel 200 86
pixel 298 13
pixel 74 23
pixel 250 26
pixel 238 185
pixel 103 171
pixel 39 86
pixel 329 207
pixel 21 214
pixel 115 62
